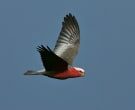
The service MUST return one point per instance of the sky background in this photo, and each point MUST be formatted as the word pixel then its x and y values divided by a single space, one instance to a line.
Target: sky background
pixel 107 54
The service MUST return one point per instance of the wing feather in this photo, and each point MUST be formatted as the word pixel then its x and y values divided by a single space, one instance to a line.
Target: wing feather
pixel 68 41
pixel 50 60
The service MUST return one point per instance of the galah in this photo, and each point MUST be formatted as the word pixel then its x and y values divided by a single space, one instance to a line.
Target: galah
pixel 58 63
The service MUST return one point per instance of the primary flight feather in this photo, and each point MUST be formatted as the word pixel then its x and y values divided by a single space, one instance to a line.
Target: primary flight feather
pixel 58 62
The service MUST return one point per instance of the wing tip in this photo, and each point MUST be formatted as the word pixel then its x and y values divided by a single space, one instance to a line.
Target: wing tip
pixel 42 48
pixel 72 19
pixel 69 15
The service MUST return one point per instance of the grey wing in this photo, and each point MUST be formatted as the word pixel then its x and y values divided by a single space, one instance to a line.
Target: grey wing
pixel 68 41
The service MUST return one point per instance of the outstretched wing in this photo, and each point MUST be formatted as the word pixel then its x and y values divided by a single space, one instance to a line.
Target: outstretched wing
pixel 69 39
pixel 50 60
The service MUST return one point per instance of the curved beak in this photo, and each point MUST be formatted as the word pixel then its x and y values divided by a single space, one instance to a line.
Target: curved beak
pixel 82 74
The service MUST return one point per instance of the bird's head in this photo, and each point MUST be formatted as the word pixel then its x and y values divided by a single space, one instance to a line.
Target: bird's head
pixel 80 70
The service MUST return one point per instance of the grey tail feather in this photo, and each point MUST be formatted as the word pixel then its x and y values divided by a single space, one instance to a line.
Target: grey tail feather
pixel 31 72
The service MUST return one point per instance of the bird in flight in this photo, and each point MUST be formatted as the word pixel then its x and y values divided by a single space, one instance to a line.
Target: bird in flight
pixel 58 63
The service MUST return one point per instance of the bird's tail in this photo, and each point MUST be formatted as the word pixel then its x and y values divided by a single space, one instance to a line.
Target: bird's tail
pixel 31 72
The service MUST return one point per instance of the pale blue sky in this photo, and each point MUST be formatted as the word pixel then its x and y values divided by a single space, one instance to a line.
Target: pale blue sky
pixel 107 53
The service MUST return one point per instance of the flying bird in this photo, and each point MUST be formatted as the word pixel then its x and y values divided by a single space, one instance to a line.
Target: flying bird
pixel 58 63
